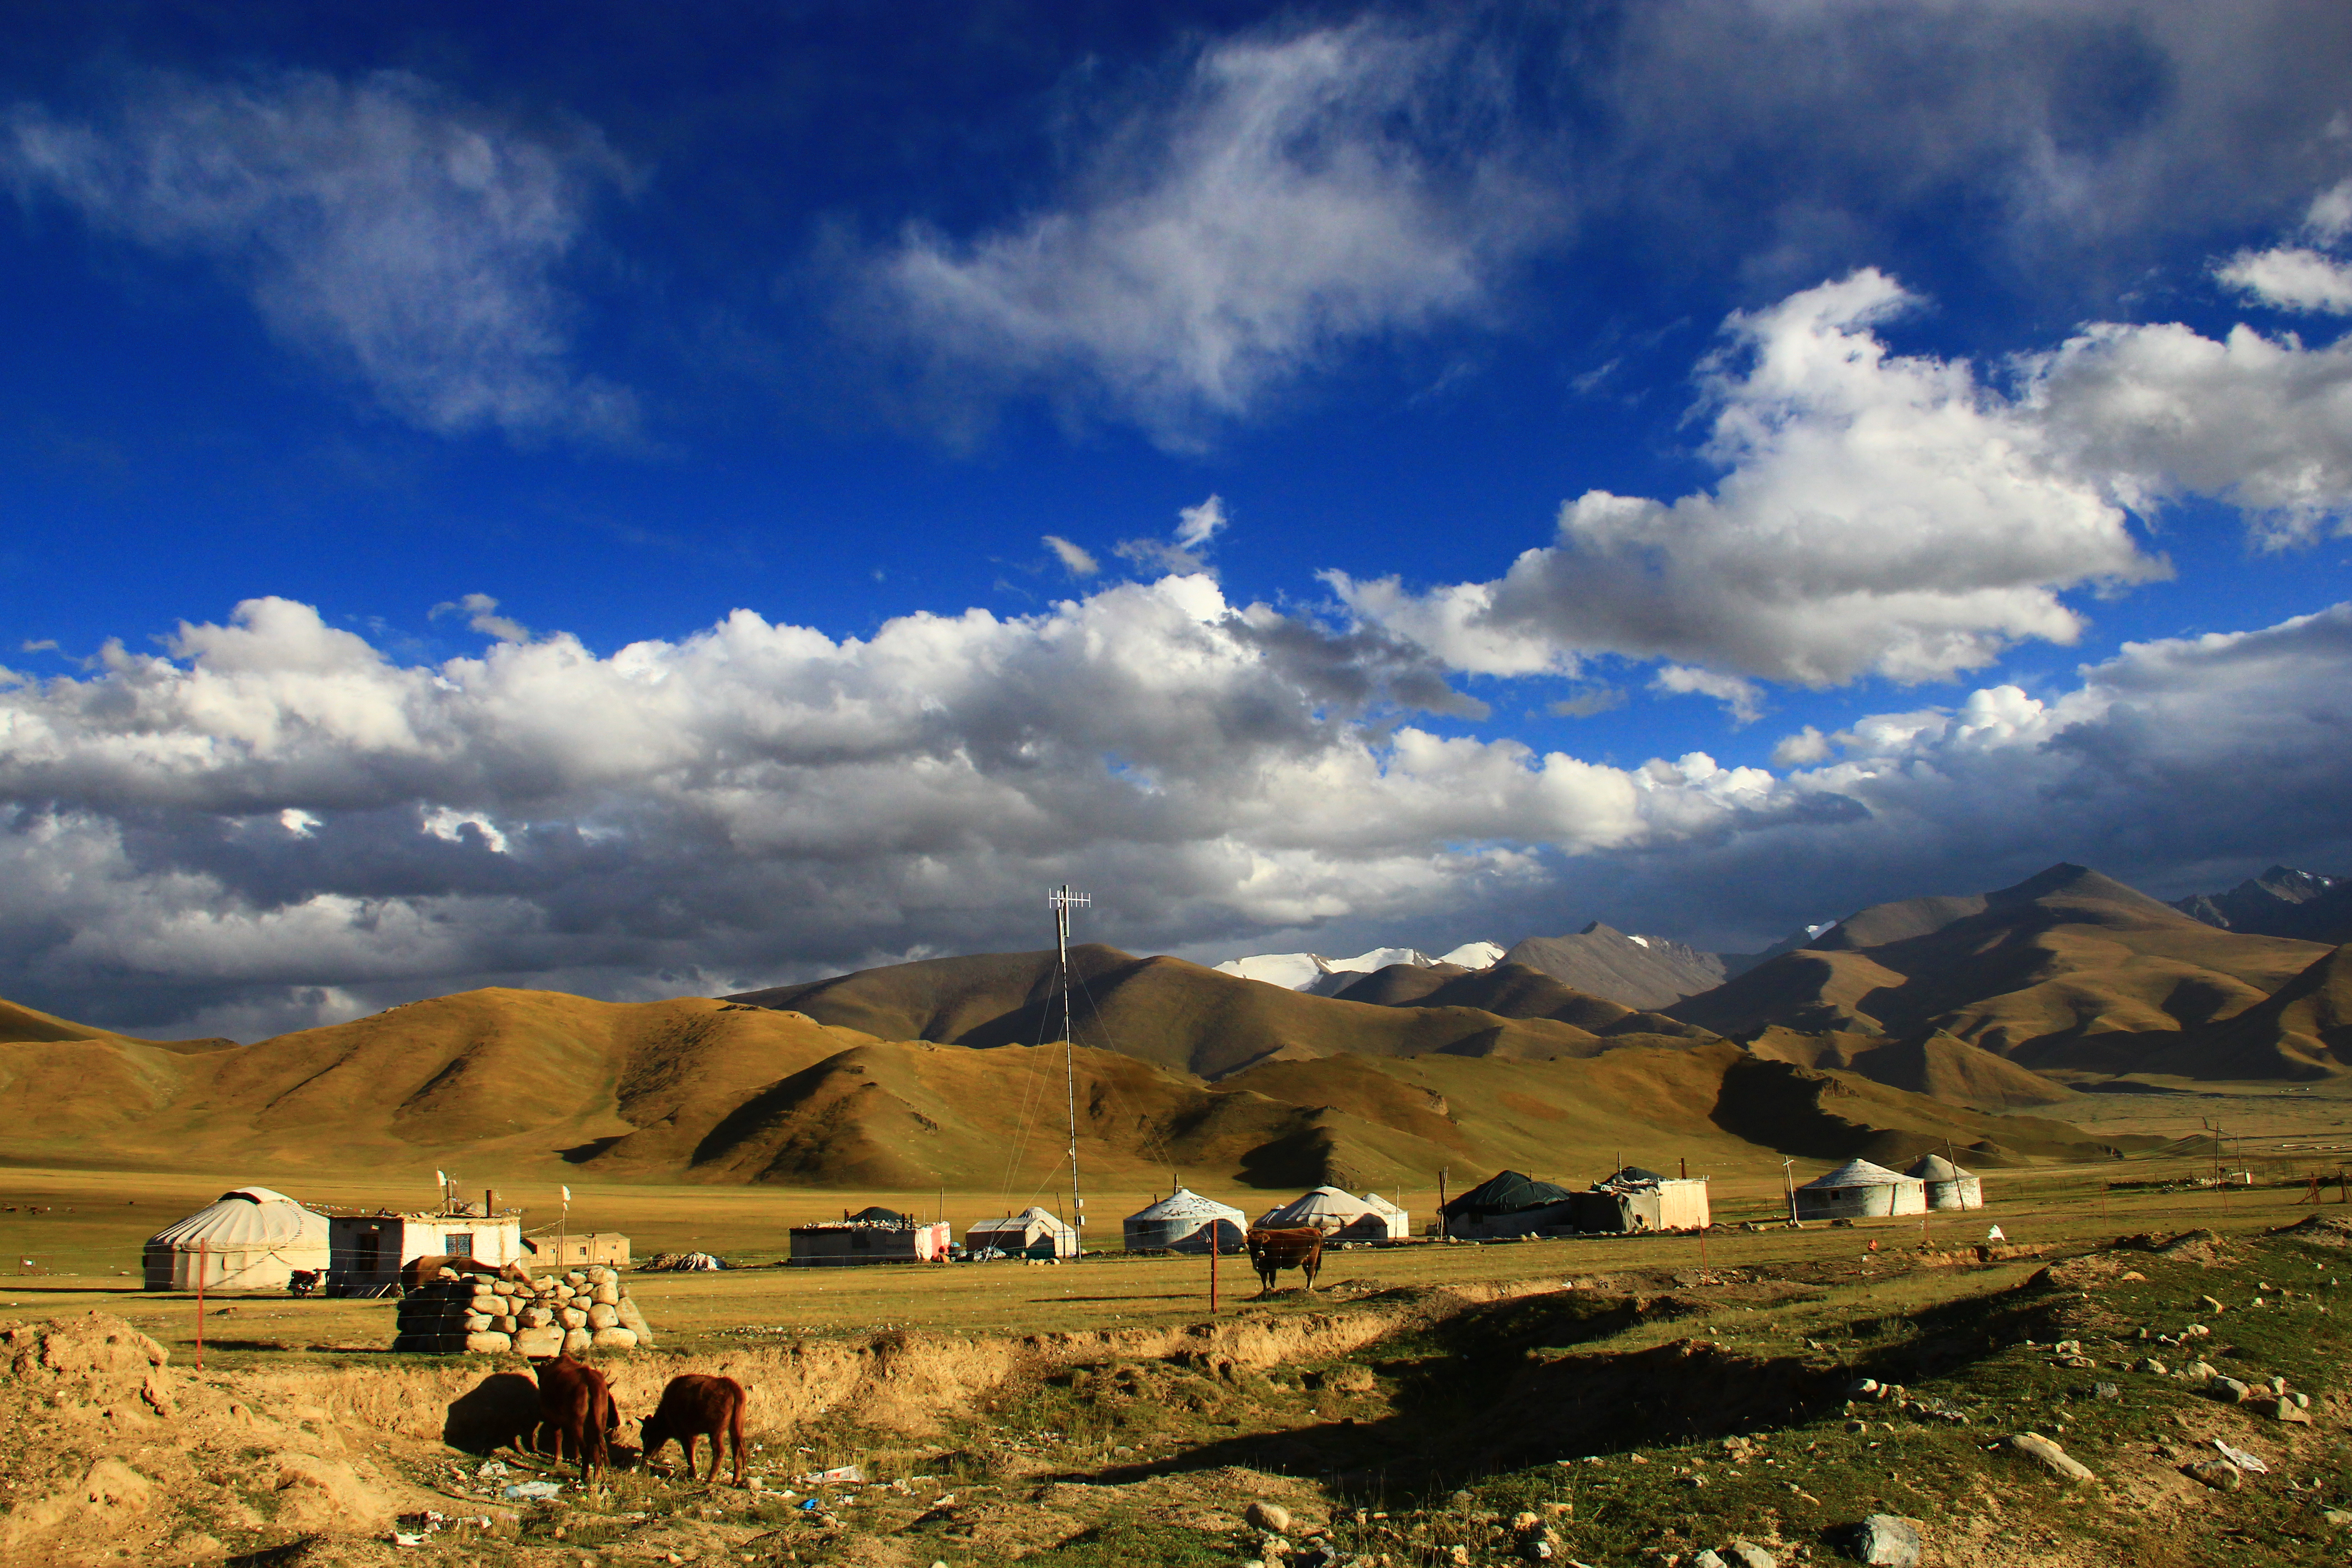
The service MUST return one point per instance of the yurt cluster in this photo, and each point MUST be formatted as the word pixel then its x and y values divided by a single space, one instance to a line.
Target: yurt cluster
pixel 1182 1222
pixel 1860 1190
pixel 253 1238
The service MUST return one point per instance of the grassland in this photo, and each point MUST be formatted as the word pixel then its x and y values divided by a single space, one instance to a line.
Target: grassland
pixel 1094 1413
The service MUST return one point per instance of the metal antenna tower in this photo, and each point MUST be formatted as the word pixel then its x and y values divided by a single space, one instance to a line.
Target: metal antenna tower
pixel 1063 902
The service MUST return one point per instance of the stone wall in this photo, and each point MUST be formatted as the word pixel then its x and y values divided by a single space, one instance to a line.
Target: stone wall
pixel 576 1310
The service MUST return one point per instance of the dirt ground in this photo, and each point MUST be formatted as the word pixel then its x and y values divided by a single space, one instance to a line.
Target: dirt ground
pixel 1422 1408
pixel 1612 1402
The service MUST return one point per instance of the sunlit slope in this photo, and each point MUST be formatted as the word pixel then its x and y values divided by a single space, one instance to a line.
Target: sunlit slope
pixel 1510 990
pixel 1935 1064
pixel 2068 968
pixel 908 1115
pixel 21 1025
pixel 1176 1015
pixel 508 1075
pixel 2303 1030
pixel 705 1091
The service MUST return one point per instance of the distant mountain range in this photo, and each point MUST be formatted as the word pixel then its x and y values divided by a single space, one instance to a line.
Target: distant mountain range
pixel 1640 972
pixel 2280 902
pixel 1897 1029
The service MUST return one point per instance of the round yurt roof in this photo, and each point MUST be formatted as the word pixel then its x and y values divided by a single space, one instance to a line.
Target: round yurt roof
pixel 877 1214
pixel 1507 1192
pixel 248 1216
pixel 1859 1174
pixel 1936 1168
pixel 1186 1203
pixel 1379 1205
pixel 1323 1202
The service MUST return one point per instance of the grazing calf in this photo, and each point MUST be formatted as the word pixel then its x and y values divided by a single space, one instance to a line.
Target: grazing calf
pixel 695 1406
pixel 420 1271
pixel 575 1400
pixel 1272 1251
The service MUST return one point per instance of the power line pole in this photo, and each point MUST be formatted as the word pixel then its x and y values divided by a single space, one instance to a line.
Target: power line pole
pixel 1063 902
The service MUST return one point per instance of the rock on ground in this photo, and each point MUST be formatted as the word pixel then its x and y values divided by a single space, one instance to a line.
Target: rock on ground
pixel 2035 1447
pixel 1887 1541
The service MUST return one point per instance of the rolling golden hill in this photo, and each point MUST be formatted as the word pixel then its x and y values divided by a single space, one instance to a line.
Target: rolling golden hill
pixel 713 1092
pixel 1178 1016
pixel 2068 970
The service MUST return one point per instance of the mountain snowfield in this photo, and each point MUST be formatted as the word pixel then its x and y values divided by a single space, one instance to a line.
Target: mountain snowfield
pixel 1311 971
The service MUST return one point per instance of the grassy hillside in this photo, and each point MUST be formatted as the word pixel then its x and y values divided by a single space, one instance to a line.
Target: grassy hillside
pixel 2069 970
pixel 717 1092
pixel 1178 1016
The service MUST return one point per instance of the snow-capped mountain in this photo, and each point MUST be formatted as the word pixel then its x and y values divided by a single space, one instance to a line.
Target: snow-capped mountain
pixel 1312 972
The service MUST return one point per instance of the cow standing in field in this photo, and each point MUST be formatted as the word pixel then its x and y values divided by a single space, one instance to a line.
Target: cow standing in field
pixel 696 1405
pixel 574 1399
pixel 1272 1251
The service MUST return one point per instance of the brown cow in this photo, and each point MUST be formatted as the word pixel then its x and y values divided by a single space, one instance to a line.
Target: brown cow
pixel 574 1399
pixel 1272 1251
pixel 696 1405
pixel 422 1271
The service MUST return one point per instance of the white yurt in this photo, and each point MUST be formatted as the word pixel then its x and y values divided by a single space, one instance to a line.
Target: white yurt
pixel 1326 1209
pixel 1184 1221
pixel 1948 1186
pixel 252 1239
pixel 1384 1221
pixel 1032 1233
pixel 1860 1190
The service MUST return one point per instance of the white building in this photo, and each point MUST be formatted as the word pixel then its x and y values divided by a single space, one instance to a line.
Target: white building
pixel 370 1248
pixel 1032 1233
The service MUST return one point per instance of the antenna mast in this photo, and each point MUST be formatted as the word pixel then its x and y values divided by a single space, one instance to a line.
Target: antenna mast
pixel 1063 902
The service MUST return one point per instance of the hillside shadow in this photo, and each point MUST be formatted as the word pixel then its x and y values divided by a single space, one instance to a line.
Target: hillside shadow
pixel 581 1153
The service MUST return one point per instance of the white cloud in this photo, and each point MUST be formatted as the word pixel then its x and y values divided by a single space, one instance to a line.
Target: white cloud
pixel 481 614
pixel 2291 278
pixel 1196 525
pixel 2157 411
pixel 1743 698
pixel 1075 560
pixel 1289 201
pixel 1878 514
pixel 2330 216
pixel 1806 746
pixel 409 241
pixel 276 820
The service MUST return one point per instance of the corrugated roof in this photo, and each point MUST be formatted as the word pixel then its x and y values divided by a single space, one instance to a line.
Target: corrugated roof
pixel 1859 1174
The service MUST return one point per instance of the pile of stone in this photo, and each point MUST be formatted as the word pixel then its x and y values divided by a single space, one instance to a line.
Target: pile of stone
pixel 582 1310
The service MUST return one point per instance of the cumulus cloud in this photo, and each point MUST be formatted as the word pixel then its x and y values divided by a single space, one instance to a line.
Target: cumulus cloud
pixel 408 240
pixel 2291 278
pixel 2157 411
pixel 1299 193
pixel 273 820
pixel 1879 514
pixel 1895 515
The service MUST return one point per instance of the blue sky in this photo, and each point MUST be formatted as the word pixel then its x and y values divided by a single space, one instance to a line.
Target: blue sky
pixel 1699 466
